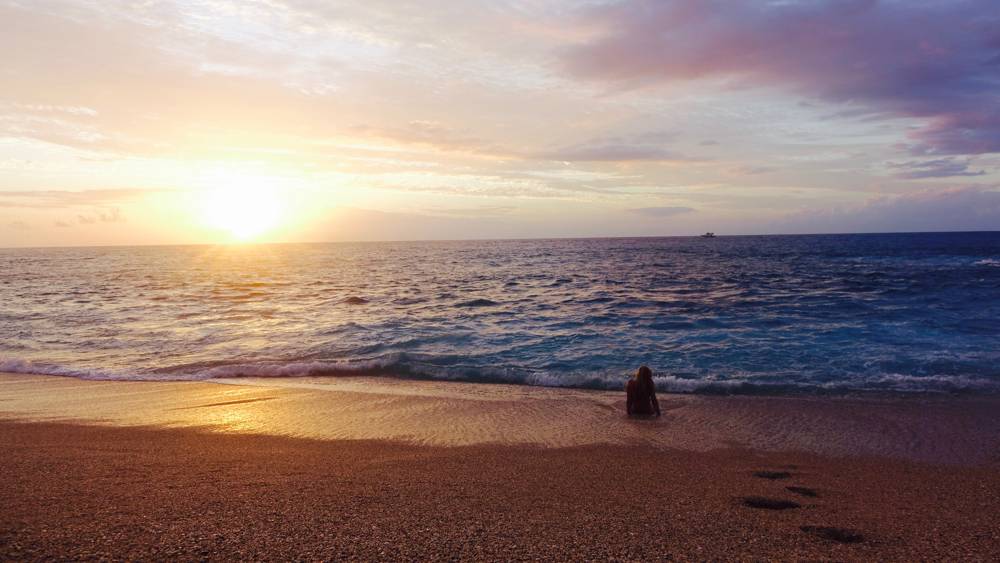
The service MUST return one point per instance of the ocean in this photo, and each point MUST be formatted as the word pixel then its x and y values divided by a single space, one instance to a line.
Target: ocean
pixel 746 314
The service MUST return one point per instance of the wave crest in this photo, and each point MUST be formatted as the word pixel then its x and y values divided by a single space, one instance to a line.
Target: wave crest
pixel 406 366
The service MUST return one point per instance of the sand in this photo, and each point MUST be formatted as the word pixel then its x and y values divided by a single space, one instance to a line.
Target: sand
pixel 414 470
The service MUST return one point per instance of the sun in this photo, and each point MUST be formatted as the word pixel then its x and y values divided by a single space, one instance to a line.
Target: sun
pixel 243 206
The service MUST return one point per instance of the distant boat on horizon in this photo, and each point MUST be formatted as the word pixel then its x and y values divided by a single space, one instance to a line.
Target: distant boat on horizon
pixel 708 235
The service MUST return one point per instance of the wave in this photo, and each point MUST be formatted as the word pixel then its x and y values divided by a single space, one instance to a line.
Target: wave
pixel 406 366
pixel 477 303
pixel 41 368
pixel 742 315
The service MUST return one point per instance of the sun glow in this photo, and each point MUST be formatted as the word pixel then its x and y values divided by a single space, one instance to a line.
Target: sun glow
pixel 243 206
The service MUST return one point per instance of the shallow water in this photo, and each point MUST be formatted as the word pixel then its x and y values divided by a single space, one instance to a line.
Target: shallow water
pixel 734 314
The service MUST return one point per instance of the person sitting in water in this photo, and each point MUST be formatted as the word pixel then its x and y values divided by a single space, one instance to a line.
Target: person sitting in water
pixel 641 394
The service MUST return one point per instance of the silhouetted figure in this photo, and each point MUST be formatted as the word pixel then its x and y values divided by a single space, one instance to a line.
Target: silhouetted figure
pixel 641 394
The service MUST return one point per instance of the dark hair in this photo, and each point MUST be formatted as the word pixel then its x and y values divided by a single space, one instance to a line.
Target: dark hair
pixel 644 376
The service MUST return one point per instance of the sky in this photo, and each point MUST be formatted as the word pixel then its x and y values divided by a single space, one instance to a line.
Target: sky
pixel 212 121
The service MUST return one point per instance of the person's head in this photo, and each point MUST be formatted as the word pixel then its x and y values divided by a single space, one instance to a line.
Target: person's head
pixel 644 374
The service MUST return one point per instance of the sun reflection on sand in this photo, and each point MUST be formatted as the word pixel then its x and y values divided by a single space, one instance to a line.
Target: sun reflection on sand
pixel 457 414
pixel 231 420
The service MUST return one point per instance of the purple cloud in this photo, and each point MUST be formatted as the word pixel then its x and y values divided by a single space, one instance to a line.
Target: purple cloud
pixel 934 61
pixel 937 168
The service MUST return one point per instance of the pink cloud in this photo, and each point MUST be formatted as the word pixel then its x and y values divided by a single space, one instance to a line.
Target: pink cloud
pixel 936 61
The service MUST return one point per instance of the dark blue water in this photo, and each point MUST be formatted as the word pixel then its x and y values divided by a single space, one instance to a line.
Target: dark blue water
pixel 913 312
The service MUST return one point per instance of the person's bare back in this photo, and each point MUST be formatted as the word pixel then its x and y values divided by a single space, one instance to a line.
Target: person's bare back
pixel 640 394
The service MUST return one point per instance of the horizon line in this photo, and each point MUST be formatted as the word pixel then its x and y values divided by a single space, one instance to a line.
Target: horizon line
pixel 502 239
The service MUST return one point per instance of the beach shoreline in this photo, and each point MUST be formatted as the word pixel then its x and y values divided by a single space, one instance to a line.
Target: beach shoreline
pixel 933 428
pixel 358 469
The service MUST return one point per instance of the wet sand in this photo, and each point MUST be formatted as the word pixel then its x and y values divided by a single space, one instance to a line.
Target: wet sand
pixel 385 469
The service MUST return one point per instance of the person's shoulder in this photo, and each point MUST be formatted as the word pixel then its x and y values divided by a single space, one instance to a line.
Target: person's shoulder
pixel 630 385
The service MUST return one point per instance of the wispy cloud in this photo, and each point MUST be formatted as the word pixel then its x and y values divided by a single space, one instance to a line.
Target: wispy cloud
pixel 649 147
pixel 752 170
pixel 937 168
pixel 611 152
pixel 482 211
pixel 431 134
pixel 113 215
pixel 55 199
pixel 661 211
pixel 956 209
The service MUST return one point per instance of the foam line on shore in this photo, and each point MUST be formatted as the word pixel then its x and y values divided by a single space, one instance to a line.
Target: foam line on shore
pixel 397 366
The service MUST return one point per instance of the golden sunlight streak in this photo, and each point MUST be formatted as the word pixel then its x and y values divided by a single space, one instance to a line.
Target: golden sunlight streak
pixel 244 206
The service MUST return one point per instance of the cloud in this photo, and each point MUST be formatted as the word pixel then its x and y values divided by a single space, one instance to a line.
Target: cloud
pixel 643 147
pixel 485 210
pixel 113 215
pixel 71 126
pixel 748 170
pixel 431 134
pixel 367 224
pixel 661 211
pixel 957 209
pixel 934 61
pixel 56 199
pixel 121 78
pixel 610 152
pixel 650 146
pixel 155 79
pixel 938 168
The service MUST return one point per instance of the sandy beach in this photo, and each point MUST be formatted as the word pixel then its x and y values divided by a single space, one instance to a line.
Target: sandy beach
pixel 504 280
pixel 379 468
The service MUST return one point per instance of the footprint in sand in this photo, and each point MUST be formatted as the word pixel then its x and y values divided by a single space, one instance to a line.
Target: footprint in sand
pixel 772 475
pixel 829 533
pixel 839 535
pixel 803 491
pixel 765 503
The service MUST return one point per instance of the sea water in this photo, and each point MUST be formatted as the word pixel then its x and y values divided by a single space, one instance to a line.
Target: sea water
pixel 775 314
